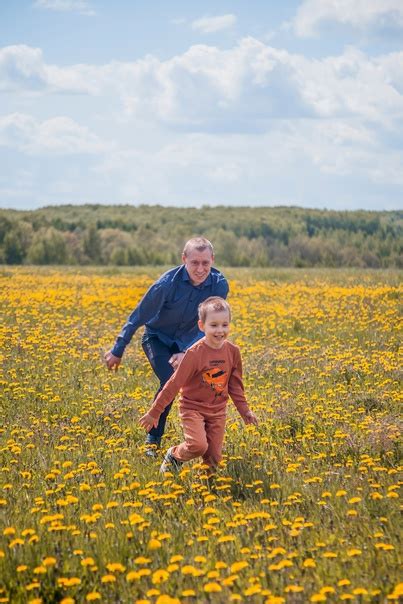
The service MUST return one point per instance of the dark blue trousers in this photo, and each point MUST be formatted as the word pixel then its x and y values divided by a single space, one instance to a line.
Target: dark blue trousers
pixel 158 355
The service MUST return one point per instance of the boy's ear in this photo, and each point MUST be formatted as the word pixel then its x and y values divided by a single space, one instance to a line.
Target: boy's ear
pixel 200 325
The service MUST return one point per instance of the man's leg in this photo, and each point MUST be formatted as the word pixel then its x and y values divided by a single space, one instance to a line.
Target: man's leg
pixel 158 355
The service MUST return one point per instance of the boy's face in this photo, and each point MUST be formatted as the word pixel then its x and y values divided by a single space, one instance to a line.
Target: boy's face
pixel 198 265
pixel 216 327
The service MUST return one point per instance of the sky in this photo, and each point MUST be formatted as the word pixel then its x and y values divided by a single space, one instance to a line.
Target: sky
pixel 241 103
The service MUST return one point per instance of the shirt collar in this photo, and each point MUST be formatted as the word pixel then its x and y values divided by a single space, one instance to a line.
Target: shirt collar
pixel 206 282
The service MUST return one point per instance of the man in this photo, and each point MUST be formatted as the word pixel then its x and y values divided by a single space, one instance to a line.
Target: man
pixel 169 311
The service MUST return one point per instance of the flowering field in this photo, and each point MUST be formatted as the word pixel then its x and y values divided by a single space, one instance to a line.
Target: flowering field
pixel 305 506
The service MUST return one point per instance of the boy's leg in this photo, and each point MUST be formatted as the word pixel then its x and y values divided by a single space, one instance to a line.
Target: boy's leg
pixel 158 355
pixel 215 430
pixel 195 443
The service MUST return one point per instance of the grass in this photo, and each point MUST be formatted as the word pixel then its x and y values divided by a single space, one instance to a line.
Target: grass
pixel 305 506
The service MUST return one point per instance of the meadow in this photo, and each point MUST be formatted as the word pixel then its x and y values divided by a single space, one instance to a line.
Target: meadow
pixel 304 508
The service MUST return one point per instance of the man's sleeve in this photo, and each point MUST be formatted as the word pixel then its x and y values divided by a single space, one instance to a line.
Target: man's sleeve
pixel 147 308
pixel 224 287
pixel 181 376
pixel 235 386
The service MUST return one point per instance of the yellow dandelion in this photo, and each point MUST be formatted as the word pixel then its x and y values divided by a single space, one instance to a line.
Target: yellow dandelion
pixel 92 596
pixel 164 599
pixel 212 587
pixel 294 589
pixel 49 561
pixel 108 579
pixel 159 576
pixel 116 567
pixel 87 561
pixel 237 566
pixel 309 563
pixel 318 598
pixel 360 591
pixel 385 546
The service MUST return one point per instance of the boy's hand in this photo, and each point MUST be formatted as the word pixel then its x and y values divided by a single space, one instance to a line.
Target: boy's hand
pixel 147 422
pixel 176 359
pixel 250 418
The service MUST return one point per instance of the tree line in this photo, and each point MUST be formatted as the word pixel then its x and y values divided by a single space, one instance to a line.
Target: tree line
pixel 242 236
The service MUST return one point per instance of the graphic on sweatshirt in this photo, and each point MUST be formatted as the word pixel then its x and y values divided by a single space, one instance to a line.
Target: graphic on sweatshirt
pixel 216 379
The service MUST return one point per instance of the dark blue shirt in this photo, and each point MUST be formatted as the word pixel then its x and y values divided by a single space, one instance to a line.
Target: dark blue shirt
pixel 169 309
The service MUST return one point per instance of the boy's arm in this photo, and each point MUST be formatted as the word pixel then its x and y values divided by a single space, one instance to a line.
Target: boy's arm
pixel 173 385
pixel 236 392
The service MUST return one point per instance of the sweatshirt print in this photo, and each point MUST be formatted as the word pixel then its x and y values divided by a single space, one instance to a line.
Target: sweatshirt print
pixel 206 377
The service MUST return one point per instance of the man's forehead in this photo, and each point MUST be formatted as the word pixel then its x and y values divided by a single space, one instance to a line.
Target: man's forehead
pixel 194 254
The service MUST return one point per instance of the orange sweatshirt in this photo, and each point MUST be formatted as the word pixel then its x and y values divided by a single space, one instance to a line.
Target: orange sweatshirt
pixel 206 377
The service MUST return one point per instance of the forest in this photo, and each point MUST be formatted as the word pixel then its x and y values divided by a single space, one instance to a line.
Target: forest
pixel 126 235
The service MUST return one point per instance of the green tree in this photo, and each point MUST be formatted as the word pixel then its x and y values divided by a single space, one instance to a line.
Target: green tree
pixel 92 244
pixel 48 247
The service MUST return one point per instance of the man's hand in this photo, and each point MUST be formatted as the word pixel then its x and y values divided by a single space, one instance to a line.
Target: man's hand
pixel 250 418
pixel 147 422
pixel 176 359
pixel 111 361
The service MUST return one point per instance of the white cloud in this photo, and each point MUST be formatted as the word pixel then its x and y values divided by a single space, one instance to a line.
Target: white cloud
pixel 210 25
pixel 78 6
pixel 59 135
pixel 207 88
pixel 249 124
pixel 360 14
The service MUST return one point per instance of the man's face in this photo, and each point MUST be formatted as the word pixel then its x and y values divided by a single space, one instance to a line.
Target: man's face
pixel 198 265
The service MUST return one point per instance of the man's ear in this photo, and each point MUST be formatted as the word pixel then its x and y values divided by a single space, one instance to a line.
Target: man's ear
pixel 183 258
pixel 200 325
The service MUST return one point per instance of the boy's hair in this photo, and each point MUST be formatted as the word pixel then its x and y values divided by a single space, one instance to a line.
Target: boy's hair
pixel 214 303
pixel 198 243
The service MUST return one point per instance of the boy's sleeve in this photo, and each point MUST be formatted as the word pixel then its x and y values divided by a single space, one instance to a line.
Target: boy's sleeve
pixel 184 372
pixel 147 308
pixel 235 386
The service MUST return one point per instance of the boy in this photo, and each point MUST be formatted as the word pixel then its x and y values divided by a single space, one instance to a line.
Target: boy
pixel 209 373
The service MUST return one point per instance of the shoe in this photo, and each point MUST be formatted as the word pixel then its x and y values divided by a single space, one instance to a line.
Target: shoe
pixel 152 448
pixel 170 463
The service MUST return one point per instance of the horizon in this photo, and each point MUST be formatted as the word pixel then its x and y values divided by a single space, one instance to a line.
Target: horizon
pixel 202 207
pixel 253 104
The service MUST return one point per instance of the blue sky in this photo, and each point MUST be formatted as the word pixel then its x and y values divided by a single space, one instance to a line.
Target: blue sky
pixel 185 104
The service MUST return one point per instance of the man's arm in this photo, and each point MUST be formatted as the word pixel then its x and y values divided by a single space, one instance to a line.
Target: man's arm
pixel 147 308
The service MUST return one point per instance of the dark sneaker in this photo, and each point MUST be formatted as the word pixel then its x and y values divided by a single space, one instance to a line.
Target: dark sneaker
pixel 170 463
pixel 152 448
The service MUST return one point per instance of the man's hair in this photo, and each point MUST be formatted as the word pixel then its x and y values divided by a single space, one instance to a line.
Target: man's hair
pixel 214 303
pixel 198 243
